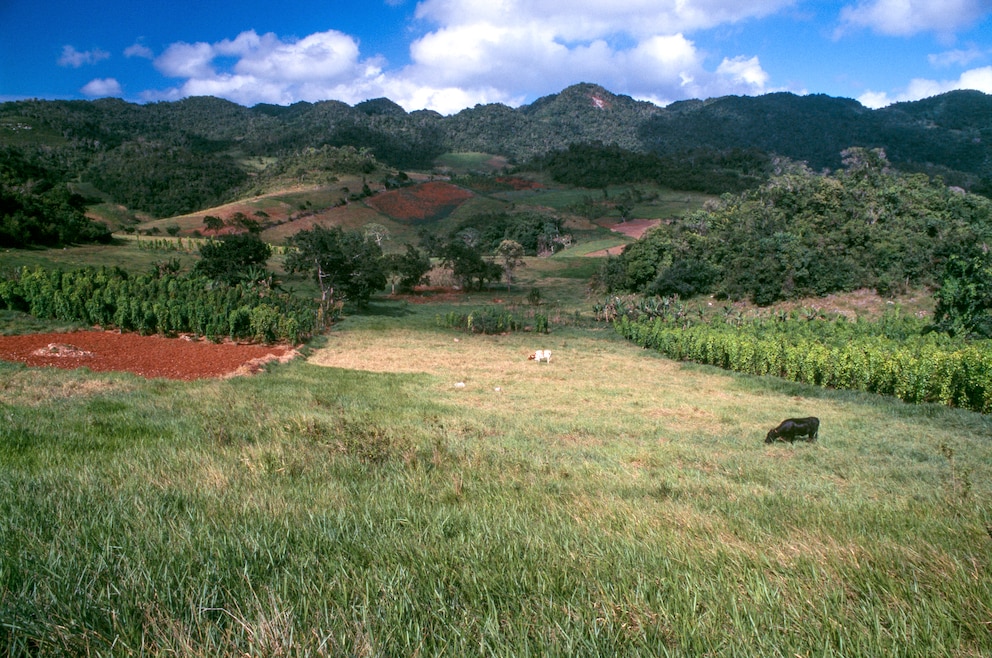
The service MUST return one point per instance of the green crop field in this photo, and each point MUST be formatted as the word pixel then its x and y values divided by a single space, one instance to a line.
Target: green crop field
pixel 406 489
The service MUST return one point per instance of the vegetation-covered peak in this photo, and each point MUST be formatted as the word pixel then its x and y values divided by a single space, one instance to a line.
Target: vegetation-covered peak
pixel 380 106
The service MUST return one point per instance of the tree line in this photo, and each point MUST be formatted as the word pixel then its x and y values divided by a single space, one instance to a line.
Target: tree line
pixel 39 210
pixel 708 170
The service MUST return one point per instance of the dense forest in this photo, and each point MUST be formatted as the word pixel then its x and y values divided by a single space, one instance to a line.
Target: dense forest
pixel 164 159
pixel 809 234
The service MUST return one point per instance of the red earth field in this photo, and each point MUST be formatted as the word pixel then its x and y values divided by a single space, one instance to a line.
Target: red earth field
pixel 147 356
pixel 419 202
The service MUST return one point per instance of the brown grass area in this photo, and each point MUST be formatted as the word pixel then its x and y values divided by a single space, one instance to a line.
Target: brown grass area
pixel 586 379
pixel 348 217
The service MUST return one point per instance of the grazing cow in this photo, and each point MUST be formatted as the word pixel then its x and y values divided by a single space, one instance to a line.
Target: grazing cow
pixel 540 355
pixel 793 428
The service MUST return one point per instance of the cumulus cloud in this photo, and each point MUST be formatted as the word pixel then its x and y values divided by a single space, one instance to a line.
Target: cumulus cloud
pixel 75 58
pixel 957 57
pixel 269 69
pixel 638 47
pixel 588 19
pixel 979 79
pixel 139 50
pixel 908 17
pixel 485 51
pixel 102 87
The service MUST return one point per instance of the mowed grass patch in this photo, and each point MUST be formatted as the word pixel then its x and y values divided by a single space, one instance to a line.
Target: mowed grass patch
pixel 360 503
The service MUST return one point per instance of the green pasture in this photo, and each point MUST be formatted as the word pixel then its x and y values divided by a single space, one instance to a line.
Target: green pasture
pixel 467 162
pixel 18 130
pixel 656 202
pixel 404 489
pixel 131 253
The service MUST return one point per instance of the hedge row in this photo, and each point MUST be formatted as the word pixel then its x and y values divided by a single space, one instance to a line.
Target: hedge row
pixel 164 304
pixel 921 369
pixel 492 320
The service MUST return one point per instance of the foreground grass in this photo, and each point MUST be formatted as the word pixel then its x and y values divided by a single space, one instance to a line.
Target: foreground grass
pixel 362 503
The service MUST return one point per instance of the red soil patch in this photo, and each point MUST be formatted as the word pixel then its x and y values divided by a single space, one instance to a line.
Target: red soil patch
pixel 147 356
pixel 519 183
pixel 635 228
pixel 419 202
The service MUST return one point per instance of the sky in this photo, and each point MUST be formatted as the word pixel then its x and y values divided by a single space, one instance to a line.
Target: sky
pixel 447 55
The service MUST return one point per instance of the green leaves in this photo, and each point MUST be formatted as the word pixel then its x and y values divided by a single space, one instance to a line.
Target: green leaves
pixel 346 265
pixel 872 357
pixel 169 304
pixel 234 258
pixel 964 301
pixel 806 234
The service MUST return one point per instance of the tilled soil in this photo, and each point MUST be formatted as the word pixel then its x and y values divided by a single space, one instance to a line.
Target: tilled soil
pixel 148 356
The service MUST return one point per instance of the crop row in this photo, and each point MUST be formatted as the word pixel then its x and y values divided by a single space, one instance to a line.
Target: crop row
pixel 166 304
pixel 921 369
pixel 492 320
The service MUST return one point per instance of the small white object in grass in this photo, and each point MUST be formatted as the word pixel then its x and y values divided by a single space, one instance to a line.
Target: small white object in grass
pixel 460 385
pixel 497 389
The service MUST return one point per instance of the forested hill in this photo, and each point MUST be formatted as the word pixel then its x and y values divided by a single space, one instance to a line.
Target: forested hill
pixel 190 153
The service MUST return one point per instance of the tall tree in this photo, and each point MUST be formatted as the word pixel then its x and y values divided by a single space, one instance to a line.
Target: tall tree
pixel 511 255
pixel 468 265
pixel 234 258
pixel 345 265
pixel 964 301
pixel 408 269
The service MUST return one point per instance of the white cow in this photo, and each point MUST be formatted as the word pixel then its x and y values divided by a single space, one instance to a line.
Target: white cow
pixel 540 355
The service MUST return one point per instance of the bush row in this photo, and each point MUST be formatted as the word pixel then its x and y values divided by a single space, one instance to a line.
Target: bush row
pixel 927 368
pixel 166 304
pixel 492 320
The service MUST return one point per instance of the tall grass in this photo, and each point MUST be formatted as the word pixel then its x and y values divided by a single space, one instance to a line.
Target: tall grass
pixel 360 503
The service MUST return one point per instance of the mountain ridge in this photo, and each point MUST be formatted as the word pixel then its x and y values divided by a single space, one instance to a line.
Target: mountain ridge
pixel 948 135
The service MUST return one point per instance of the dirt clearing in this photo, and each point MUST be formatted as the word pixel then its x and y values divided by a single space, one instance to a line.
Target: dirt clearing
pixel 147 356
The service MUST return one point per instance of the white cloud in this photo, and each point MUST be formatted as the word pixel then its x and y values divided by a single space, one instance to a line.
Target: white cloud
pixel 535 59
pixel 979 79
pixel 485 51
pixel 102 87
pixel 268 69
pixel 908 17
pixel 75 58
pixel 958 57
pixel 139 50
pixel 321 56
pixel 187 60
pixel 589 19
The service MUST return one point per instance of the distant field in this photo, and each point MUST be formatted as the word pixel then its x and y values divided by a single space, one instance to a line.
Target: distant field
pixel 656 202
pixel 460 163
pixel 405 211
pixel 127 253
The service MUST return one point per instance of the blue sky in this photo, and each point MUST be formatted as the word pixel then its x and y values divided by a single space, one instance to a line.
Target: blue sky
pixel 446 55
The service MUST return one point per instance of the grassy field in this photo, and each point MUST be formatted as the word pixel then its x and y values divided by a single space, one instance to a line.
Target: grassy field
pixel 406 490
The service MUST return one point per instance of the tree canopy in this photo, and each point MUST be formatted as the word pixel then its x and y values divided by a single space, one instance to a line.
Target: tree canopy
pixel 345 265
pixel 807 234
pixel 234 258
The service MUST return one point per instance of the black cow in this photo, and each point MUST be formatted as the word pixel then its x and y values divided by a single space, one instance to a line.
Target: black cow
pixel 793 428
